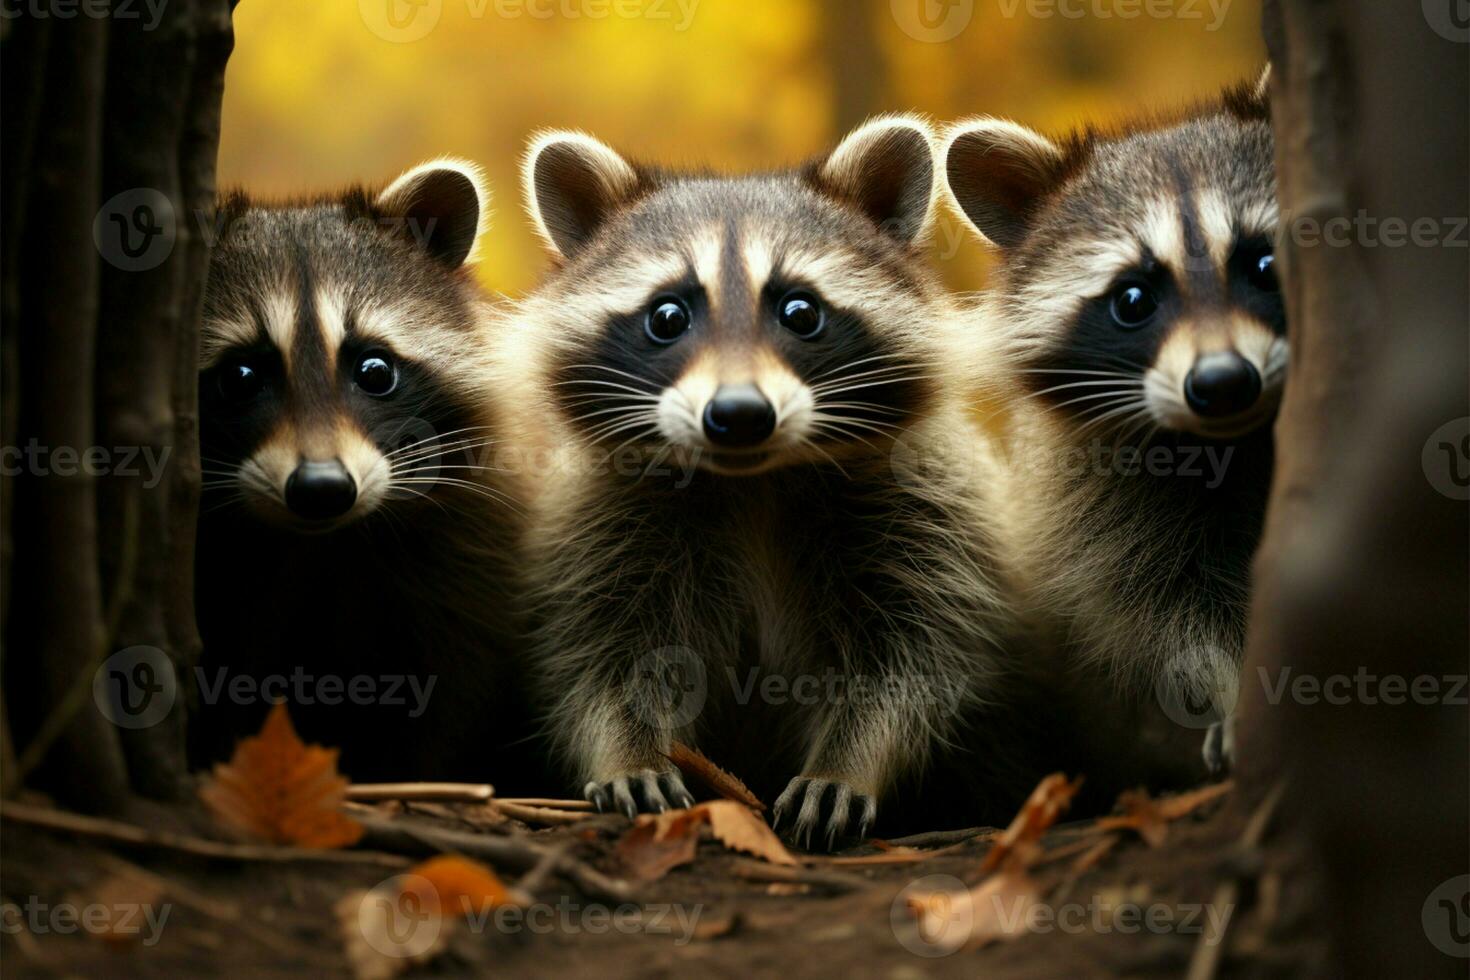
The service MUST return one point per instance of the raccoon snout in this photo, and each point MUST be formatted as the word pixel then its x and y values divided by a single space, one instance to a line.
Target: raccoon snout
pixel 319 491
pixel 1222 384
pixel 739 417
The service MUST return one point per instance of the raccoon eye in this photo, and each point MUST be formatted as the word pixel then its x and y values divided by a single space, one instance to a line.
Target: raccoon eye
pixel 1133 306
pixel 1262 272
pixel 668 320
pixel 801 313
pixel 239 382
pixel 375 374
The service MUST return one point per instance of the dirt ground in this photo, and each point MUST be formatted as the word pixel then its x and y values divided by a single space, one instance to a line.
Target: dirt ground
pixel 1204 902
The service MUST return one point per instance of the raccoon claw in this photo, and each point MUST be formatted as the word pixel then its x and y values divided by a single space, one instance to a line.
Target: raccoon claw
pixel 1219 747
pixel 829 803
pixel 644 791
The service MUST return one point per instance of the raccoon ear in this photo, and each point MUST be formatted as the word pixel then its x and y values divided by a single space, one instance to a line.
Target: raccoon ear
pixel 997 172
pixel 443 205
pixel 885 168
pixel 573 184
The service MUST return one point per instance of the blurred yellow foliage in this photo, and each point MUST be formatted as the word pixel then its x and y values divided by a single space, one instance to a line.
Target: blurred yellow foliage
pixel 322 92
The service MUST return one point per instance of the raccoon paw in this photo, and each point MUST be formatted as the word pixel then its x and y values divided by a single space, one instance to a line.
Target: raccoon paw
pixel 644 791
pixel 831 804
pixel 1219 747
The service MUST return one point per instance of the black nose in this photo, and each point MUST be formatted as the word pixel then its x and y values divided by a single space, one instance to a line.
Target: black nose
pixel 1222 384
pixel 739 416
pixel 320 491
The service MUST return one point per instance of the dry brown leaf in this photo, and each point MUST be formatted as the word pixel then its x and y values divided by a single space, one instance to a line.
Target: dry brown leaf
pixel 1046 803
pixel 277 788
pixel 660 842
pixel 999 908
pixel 1150 818
pixel 408 920
pixel 385 934
pixel 696 765
pixel 741 829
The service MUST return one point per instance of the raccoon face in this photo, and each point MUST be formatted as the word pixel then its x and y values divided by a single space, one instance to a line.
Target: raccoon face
pixel 338 350
pixel 1139 279
pixel 738 324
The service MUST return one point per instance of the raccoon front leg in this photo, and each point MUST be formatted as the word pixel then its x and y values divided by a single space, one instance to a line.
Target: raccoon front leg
pixel 619 726
pixel 862 742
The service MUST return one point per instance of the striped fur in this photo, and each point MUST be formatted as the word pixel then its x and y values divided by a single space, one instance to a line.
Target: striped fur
pixel 805 559
pixel 1144 569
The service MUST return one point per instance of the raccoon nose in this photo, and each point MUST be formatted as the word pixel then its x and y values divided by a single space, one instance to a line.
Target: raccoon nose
pixel 319 491
pixel 1222 384
pixel 739 416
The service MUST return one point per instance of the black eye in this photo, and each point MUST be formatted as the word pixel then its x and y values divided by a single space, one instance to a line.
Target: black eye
pixel 1262 272
pixel 375 374
pixel 668 320
pixel 239 382
pixel 1133 305
pixel 801 313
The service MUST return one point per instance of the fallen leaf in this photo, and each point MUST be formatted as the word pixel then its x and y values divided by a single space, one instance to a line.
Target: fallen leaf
pixel 1046 803
pixel 409 919
pixel 1087 861
pixel 660 842
pixel 999 908
pixel 277 788
pixel 741 829
pixel 385 932
pixel 696 765
pixel 1150 818
pixel 459 884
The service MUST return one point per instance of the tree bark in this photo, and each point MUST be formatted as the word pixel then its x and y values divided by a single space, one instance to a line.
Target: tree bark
pixel 100 107
pixel 1363 571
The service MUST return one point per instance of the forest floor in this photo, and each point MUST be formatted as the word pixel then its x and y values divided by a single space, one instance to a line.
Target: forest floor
pixel 1195 887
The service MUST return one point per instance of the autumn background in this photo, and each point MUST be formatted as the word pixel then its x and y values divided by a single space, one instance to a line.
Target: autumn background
pixel 328 91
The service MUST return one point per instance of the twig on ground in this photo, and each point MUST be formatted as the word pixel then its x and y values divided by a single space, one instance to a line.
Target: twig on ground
pixel 1205 963
pixel 543 816
pixel 135 836
pixel 405 836
pixel 940 838
pixel 421 792
pixel 579 805
pixel 831 880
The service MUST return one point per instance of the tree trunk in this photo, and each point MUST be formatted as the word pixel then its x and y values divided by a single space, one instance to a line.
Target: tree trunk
pixel 111 129
pixel 1363 571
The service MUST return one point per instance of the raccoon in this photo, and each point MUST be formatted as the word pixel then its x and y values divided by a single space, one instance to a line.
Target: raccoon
pixel 1138 304
pixel 752 536
pixel 355 542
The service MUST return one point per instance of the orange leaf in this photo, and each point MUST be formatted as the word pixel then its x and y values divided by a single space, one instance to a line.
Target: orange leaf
pixel 659 842
pixel 458 882
pixel 696 765
pixel 277 788
pixel 1150 818
pixel 1047 801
